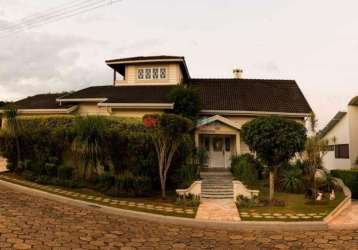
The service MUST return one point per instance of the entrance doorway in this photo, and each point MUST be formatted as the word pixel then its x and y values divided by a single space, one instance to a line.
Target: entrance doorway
pixel 219 148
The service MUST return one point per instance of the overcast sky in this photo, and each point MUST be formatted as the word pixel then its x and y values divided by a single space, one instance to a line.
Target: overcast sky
pixel 313 42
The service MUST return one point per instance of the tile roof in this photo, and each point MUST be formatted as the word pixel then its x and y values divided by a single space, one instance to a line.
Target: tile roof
pixel 333 122
pixel 216 94
pixel 125 94
pixel 41 101
pixel 354 101
pixel 251 95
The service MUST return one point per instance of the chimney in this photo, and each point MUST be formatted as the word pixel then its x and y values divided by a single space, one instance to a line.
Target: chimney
pixel 237 73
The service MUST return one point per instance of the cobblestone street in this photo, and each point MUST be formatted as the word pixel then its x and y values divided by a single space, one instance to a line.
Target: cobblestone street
pixel 33 222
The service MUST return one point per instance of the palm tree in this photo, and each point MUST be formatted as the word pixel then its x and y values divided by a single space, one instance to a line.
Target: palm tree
pixel 316 148
pixel 89 143
pixel 13 128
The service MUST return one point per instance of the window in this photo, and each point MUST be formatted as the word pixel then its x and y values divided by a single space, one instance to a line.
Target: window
pixel 341 151
pixel 227 144
pixel 140 73
pixel 151 73
pixel 218 144
pixel 330 148
pixel 207 143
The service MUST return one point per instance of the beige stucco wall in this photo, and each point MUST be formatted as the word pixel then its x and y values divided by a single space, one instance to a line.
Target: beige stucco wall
pixel 91 109
pixel 353 134
pixel 341 133
pixel 136 113
pixel 174 74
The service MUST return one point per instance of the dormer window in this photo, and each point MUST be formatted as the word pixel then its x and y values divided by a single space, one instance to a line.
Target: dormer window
pixel 152 73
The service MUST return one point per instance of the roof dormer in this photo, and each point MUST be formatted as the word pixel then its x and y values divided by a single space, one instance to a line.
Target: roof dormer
pixel 151 70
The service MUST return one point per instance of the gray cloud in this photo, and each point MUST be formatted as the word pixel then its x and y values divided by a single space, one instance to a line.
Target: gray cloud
pixel 37 62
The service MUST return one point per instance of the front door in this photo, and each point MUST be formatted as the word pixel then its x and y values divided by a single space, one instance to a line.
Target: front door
pixel 217 152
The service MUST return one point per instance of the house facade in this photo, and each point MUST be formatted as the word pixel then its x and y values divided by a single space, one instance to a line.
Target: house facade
pixel 141 86
pixel 342 135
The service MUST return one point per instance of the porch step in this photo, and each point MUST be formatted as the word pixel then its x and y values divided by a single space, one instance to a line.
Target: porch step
pixel 217 184
pixel 216 196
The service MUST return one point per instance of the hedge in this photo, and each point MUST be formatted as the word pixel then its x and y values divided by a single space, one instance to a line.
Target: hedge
pixel 46 151
pixel 350 178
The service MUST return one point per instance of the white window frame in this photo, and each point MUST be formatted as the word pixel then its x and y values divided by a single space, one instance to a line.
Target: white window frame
pixel 159 68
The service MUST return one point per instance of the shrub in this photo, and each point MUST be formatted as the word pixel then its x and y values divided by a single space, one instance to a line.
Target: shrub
pixel 291 180
pixel 187 174
pixel 188 201
pixel 350 178
pixel 245 202
pixel 245 168
pixel 65 172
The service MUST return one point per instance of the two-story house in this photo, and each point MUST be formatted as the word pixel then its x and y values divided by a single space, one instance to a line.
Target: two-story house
pixel 342 134
pixel 141 85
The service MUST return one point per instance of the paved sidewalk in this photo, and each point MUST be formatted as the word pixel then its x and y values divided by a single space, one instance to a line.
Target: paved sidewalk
pixel 2 164
pixel 348 218
pixel 220 210
pixel 32 222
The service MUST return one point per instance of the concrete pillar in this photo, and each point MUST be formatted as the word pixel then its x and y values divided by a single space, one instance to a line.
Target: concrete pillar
pixel 237 140
pixel 196 139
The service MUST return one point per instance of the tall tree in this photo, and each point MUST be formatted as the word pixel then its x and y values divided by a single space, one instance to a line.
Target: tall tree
pixel 13 127
pixel 275 140
pixel 168 132
pixel 186 101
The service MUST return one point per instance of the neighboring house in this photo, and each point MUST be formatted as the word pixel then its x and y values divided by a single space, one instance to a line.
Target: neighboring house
pixel 145 84
pixel 342 135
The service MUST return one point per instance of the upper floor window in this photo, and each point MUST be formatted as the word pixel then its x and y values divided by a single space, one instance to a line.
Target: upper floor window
pixel 342 151
pixel 152 73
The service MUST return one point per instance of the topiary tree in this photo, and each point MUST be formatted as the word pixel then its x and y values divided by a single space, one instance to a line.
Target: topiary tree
pixel 186 101
pixel 168 132
pixel 275 140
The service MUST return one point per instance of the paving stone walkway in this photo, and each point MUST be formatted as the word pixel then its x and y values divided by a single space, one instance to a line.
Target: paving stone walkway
pixel 34 222
pixel 120 203
pixel 218 209
pixel 348 218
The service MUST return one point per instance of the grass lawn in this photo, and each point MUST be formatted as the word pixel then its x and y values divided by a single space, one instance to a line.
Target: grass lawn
pixel 295 204
pixel 155 200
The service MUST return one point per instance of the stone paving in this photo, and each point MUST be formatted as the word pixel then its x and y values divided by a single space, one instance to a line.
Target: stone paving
pixel 218 210
pixel 38 223
pixel 120 203
pixel 348 218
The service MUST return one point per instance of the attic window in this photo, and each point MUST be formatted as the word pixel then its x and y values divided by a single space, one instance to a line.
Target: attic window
pixel 151 73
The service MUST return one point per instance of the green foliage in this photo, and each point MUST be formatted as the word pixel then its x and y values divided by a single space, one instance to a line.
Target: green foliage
pixel 89 144
pixel 125 146
pixel 65 172
pixel 245 202
pixel 187 174
pixel 291 180
pixel 186 101
pixel 350 178
pixel 246 168
pixel 188 201
pixel 274 139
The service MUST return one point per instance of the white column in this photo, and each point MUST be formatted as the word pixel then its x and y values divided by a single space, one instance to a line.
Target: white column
pixel 237 140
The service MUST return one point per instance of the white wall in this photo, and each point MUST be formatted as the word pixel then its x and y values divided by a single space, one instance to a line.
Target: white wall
pixel 341 133
pixel 353 134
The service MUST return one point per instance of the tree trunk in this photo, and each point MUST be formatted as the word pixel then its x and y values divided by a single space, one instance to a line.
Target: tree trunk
pixel 272 184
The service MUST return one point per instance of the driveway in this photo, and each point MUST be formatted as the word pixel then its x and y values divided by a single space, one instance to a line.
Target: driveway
pixel 34 222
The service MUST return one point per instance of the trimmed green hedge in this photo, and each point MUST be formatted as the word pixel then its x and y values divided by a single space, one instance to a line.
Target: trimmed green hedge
pixel 350 178
pixel 46 154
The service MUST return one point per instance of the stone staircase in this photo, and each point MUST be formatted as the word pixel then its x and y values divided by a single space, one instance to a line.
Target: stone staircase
pixel 216 184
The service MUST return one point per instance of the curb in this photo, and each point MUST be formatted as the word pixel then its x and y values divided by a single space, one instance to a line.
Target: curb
pixel 207 224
